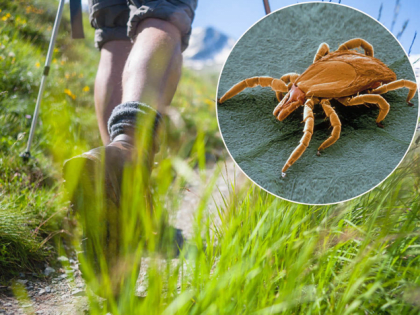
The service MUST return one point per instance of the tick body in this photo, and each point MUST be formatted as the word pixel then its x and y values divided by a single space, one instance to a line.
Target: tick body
pixel 350 77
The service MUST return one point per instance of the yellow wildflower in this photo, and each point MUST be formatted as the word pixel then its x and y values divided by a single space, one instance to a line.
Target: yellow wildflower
pixel 69 93
pixel 86 89
pixel 6 17
pixel 209 102
pixel 37 64
pixel 19 20
pixel 31 9
pixel 81 75
pixel 56 49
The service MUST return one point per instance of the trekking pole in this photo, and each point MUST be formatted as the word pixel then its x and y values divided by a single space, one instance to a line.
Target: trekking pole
pixel 266 7
pixel 27 154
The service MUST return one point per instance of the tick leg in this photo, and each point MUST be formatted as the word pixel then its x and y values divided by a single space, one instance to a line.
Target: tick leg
pixel 281 113
pixel 279 96
pixel 412 86
pixel 369 98
pixel 276 85
pixel 290 78
pixel 335 123
pixel 356 43
pixel 323 50
pixel 280 105
pixel 308 118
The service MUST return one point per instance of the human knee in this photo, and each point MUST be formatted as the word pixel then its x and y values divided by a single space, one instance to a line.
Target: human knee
pixel 179 14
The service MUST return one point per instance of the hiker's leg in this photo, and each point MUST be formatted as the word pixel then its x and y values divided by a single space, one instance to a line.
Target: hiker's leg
pixel 160 31
pixel 108 86
pixel 109 18
pixel 153 68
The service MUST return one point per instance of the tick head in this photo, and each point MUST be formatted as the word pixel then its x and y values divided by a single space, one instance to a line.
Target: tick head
pixel 292 100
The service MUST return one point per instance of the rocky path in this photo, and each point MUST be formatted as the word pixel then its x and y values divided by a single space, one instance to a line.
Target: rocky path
pixel 62 290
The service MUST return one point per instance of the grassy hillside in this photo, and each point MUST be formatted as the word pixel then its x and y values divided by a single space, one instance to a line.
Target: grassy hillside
pixel 31 205
pixel 267 256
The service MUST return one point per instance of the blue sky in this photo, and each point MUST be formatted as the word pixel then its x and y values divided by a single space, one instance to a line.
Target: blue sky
pixel 234 17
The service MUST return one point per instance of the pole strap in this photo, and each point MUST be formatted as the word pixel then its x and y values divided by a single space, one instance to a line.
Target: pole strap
pixel 76 19
pixel 46 70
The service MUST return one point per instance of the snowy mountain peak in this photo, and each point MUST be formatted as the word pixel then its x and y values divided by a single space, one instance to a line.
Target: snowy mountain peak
pixel 208 48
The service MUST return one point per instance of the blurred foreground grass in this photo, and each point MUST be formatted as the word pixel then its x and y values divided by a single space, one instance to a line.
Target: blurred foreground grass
pixel 31 193
pixel 267 256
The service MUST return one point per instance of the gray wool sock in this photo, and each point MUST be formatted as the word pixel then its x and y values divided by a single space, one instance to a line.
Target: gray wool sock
pixel 126 116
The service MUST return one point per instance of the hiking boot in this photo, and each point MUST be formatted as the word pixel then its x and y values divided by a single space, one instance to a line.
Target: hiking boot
pixel 95 177
pixel 104 164
pixel 94 181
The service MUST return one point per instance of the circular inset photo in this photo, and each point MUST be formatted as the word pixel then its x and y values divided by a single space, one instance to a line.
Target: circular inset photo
pixel 317 103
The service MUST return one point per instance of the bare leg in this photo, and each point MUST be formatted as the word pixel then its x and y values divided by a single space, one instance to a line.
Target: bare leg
pixel 370 98
pixel 412 86
pixel 308 118
pixel 149 74
pixel 276 85
pixel 153 68
pixel 335 123
pixel 356 43
pixel 323 50
pixel 108 87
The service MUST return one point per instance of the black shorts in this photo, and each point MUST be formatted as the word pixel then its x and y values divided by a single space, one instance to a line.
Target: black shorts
pixel 118 19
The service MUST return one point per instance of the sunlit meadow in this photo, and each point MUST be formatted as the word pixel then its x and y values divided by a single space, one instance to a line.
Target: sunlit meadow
pixel 257 255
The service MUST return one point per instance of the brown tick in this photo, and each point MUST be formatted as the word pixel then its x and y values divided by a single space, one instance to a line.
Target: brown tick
pixel 340 75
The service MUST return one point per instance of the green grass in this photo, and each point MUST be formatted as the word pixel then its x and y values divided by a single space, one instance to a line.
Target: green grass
pixel 32 192
pixel 265 256
pixel 269 256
